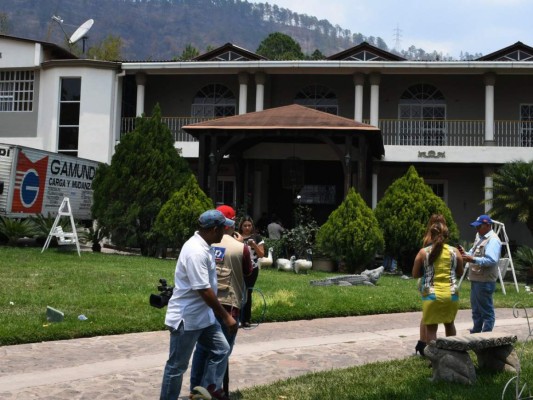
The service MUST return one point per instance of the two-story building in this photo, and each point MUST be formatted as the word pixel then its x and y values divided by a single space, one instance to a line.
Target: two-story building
pixel 455 121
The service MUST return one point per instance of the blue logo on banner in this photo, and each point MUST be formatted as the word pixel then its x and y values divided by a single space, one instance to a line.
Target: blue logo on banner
pixel 219 253
pixel 29 189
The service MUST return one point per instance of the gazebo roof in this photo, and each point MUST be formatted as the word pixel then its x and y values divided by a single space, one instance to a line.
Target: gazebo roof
pixel 292 118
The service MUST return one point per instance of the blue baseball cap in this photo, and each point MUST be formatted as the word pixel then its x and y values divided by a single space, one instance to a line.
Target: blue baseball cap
pixel 212 218
pixel 482 219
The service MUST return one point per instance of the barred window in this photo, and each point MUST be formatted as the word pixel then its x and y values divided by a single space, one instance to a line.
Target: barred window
pixel 16 91
pixel 318 97
pixel 214 100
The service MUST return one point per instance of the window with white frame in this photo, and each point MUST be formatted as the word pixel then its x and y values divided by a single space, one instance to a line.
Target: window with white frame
pixel 518 55
pixel 318 97
pixel 16 91
pixel 439 187
pixel 364 55
pixel 69 116
pixel 214 100
pixel 526 125
pixel 422 114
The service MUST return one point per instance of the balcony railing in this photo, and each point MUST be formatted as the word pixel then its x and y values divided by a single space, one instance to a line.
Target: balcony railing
pixel 174 124
pixel 454 133
pixel 404 132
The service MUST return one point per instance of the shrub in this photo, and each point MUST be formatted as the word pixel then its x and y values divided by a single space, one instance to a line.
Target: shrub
pixel 351 234
pixel 14 229
pixel 403 214
pixel 177 220
pixel 302 237
pixel 524 261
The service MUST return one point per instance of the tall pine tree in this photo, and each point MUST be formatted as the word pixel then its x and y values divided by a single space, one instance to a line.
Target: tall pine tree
pixel 144 172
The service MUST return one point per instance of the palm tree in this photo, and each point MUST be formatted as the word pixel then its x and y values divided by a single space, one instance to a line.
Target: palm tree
pixel 512 188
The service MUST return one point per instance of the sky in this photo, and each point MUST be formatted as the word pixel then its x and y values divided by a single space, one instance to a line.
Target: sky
pixel 447 26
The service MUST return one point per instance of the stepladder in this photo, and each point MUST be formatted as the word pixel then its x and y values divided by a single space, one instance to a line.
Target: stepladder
pixel 63 237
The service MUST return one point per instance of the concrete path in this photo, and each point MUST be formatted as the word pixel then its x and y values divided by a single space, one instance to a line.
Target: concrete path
pixel 130 366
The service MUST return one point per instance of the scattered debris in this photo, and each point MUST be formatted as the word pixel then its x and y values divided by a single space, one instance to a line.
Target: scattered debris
pixel 53 315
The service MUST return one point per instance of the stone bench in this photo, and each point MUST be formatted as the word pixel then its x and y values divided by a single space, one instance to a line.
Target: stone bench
pixel 451 362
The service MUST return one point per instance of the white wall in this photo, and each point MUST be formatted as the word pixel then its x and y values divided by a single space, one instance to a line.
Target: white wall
pixel 97 110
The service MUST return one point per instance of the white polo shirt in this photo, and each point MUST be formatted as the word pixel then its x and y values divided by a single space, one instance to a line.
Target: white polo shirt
pixel 195 269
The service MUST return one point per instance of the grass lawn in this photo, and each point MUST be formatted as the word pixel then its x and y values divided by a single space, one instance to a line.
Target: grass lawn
pixel 112 292
pixel 392 380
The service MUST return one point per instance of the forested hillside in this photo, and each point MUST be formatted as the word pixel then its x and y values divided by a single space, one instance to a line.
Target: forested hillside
pixel 161 29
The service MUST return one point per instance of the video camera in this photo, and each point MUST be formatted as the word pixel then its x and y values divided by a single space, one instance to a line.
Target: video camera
pixel 165 293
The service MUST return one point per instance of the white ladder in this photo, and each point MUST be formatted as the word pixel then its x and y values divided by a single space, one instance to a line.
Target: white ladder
pixel 499 229
pixel 57 230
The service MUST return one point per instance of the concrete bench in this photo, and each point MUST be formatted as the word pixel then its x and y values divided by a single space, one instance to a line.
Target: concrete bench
pixel 451 362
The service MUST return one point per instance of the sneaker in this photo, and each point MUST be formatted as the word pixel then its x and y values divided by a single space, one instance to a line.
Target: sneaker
pixel 200 393
pixel 217 394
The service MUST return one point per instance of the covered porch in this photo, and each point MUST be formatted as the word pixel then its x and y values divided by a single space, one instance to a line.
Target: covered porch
pixel 281 153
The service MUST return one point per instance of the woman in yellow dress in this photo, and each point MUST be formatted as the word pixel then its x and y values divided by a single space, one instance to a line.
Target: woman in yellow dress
pixel 438 265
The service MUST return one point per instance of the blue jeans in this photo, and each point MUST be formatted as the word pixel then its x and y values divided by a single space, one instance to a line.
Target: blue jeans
pixel 182 344
pixel 482 306
pixel 200 356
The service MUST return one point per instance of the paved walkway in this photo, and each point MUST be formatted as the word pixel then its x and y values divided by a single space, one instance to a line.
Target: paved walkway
pixel 130 366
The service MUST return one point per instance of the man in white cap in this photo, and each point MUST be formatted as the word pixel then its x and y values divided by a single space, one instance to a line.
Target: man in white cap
pixel 191 310
pixel 483 260
pixel 233 264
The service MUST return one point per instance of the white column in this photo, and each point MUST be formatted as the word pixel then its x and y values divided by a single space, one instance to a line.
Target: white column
pixel 259 91
pixel 243 92
pixel 140 79
pixel 374 190
pixel 358 80
pixel 374 98
pixel 490 80
pixel 488 170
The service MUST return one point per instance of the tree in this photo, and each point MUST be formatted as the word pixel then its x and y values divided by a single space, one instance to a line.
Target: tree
pixel 189 53
pixel 108 49
pixel 177 220
pixel 144 172
pixel 403 214
pixel 278 46
pixel 5 26
pixel 351 234
pixel 317 55
pixel 512 188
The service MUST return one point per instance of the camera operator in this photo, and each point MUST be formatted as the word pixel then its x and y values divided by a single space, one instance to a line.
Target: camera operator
pixel 233 264
pixel 191 310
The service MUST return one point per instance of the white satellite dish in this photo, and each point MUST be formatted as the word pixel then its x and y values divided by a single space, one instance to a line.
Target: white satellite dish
pixel 81 31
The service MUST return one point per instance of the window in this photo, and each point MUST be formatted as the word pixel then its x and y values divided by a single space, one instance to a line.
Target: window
pixel 16 91
pixel 518 55
pixel 526 125
pixel 225 191
pixel 439 187
pixel 214 101
pixel 423 107
pixel 69 116
pixel 230 56
pixel 318 97
pixel 364 55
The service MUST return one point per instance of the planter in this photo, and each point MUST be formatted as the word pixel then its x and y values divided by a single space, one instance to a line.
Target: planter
pixel 323 264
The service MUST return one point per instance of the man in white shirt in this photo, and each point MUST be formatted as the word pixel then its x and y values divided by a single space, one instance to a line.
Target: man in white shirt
pixel 191 310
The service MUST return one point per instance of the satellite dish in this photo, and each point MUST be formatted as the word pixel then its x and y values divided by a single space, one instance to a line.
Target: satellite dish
pixel 81 31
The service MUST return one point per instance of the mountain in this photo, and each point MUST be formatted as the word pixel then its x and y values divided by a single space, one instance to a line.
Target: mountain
pixel 162 29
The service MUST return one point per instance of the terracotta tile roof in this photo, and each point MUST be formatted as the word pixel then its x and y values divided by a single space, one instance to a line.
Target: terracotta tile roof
pixel 293 116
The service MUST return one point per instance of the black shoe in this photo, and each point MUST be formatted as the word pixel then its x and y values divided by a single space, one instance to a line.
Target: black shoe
pixel 419 348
